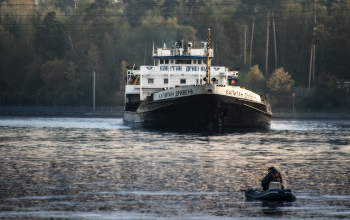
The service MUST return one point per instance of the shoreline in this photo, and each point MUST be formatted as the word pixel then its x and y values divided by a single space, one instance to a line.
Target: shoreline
pixel 120 115
pixel 63 114
pixel 309 116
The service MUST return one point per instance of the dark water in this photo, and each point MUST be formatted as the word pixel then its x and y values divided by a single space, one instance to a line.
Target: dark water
pixel 71 168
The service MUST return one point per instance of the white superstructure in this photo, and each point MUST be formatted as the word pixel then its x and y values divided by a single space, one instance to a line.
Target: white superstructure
pixel 175 67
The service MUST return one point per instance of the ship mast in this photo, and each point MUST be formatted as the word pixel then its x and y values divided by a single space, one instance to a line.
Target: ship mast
pixel 208 46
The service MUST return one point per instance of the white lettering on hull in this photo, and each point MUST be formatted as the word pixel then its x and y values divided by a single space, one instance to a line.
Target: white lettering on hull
pixel 225 91
pixel 243 95
pixel 175 94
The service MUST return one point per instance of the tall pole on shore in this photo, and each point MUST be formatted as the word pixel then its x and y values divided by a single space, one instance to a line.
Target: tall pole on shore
pixel 93 107
pixel 313 53
pixel 314 50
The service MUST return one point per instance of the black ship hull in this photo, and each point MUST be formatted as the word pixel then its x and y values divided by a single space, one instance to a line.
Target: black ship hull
pixel 203 111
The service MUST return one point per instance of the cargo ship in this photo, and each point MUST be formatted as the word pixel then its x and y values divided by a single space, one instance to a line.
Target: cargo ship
pixel 182 91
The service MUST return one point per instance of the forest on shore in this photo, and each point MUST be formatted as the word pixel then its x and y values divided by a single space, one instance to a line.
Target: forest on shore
pixel 49 49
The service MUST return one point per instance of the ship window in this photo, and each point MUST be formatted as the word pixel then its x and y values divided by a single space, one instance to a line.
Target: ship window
pixel 179 62
pixel 200 82
pixel 188 61
pixel 182 81
pixel 161 61
pixel 199 62
pixel 166 81
pixel 172 61
pixel 205 62
pixel 150 81
pixel 166 61
pixel 194 61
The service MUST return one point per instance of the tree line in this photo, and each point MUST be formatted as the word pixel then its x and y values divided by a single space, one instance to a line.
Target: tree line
pixel 49 49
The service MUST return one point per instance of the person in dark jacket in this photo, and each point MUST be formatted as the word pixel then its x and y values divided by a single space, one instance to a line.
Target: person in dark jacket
pixel 231 80
pixel 272 176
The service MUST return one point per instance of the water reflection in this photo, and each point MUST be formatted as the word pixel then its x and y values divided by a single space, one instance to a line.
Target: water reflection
pixel 68 170
pixel 274 207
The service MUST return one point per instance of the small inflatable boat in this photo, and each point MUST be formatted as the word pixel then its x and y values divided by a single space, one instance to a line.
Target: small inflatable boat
pixel 276 192
pixel 270 194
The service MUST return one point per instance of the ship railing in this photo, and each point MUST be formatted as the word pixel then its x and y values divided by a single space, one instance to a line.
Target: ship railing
pixel 134 72
pixel 182 52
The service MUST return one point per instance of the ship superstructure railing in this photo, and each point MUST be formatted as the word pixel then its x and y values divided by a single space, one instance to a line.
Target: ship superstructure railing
pixel 159 52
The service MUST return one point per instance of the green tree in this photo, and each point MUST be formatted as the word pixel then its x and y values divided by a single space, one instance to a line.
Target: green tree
pixel 280 81
pixel 253 75
pixel 54 74
pixel 49 39
pixel 94 62
pixel 254 80
pixel 123 71
pixel 97 10
pixel 71 73
pixel 327 95
pixel 72 76
pixel 325 84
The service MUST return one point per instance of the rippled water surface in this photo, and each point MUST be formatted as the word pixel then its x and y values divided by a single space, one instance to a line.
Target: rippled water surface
pixel 83 168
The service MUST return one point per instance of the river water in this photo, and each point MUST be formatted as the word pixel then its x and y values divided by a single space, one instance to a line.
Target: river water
pixel 88 168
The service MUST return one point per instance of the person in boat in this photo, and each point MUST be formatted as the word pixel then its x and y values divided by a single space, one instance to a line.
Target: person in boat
pixel 134 80
pixel 272 176
pixel 131 80
pixel 232 81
